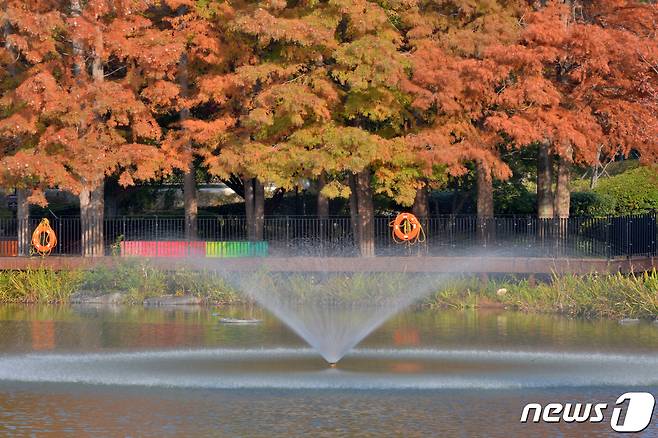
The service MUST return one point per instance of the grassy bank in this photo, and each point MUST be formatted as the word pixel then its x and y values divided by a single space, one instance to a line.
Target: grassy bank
pixel 590 296
pixel 135 282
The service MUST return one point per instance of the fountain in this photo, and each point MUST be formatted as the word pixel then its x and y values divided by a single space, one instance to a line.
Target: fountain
pixel 334 312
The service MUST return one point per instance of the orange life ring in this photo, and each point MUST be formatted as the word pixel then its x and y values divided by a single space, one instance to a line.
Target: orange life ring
pixel 406 227
pixel 43 245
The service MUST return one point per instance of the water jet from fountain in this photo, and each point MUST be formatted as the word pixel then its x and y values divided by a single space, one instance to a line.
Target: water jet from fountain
pixel 333 312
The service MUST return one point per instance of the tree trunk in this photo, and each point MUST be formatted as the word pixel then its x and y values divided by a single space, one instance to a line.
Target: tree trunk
pixel 78 55
pixel 544 182
pixel 249 207
pixel 420 208
pixel 23 218
pixel 254 199
pixel 595 169
pixel 259 209
pixel 6 30
pixel 92 202
pixel 485 204
pixel 91 220
pixel 322 209
pixel 191 203
pixel 189 179
pixel 366 215
pixel 562 192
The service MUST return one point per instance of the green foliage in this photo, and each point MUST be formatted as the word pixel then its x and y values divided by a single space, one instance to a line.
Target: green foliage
pixel 634 191
pixel 512 197
pixel 591 204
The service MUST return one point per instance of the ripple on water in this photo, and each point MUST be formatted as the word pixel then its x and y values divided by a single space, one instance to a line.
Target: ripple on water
pixel 300 368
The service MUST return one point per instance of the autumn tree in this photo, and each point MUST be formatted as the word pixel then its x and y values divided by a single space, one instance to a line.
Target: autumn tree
pixel 17 55
pixel 453 87
pixel 580 83
pixel 343 109
pixel 191 119
pixel 254 94
pixel 81 108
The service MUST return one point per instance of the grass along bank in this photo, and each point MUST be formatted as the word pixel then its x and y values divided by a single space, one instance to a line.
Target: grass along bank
pixel 590 296
pixel 135 283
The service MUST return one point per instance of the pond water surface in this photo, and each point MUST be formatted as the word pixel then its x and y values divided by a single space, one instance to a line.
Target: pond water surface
pixel 134 371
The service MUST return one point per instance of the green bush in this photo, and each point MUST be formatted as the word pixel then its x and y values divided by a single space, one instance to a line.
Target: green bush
pixel 514 198
pixel 633 192
pixel 592 204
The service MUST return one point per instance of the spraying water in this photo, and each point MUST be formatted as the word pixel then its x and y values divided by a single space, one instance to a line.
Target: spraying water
pixel 334 312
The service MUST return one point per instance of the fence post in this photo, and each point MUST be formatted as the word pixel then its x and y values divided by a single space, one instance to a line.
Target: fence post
pixel 608 237
pixel 157 237
pixel 59 235
pixel 627 238
pixel 654 235
pixel 287 233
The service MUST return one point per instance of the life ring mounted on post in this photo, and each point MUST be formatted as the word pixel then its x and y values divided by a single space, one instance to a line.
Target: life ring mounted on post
pixel 44 238
pixel 407 228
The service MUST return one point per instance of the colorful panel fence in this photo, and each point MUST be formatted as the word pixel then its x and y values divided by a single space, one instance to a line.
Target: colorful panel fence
pixel 164 248
pixel 8 248
pixel 193 249
pixel 236 249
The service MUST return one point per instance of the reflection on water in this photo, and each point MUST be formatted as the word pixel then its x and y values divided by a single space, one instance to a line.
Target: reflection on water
pixel 93 328
pixel 178 371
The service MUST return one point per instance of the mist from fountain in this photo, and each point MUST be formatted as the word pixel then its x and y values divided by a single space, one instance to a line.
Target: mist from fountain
pixel 334 312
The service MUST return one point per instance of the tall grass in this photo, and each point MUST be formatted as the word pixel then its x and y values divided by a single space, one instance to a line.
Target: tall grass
pixel 140 281
pixel 608 296
pixel 38 285
pixel 373 288
pixel 593 295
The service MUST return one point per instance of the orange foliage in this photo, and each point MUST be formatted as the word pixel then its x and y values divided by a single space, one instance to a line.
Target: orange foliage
pixel 288 90
pixel 70 123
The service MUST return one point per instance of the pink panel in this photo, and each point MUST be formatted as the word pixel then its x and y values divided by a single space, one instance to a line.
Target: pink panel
pixel 163 249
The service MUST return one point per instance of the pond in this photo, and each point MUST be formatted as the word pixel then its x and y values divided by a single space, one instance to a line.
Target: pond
pixel 178 371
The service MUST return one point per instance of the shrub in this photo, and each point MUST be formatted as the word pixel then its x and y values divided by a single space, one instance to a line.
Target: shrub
pixel 592 204
pixel 634 191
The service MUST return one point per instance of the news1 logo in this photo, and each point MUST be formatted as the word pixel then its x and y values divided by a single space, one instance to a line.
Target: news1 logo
pixel 637 416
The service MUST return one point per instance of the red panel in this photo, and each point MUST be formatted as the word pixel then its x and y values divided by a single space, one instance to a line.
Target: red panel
pixel 8 248
pixel 163 249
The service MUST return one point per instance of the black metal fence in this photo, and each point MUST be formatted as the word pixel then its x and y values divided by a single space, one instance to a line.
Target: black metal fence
pixel 606 237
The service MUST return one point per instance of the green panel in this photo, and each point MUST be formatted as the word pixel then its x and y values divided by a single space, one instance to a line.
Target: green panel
pixel 237 249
